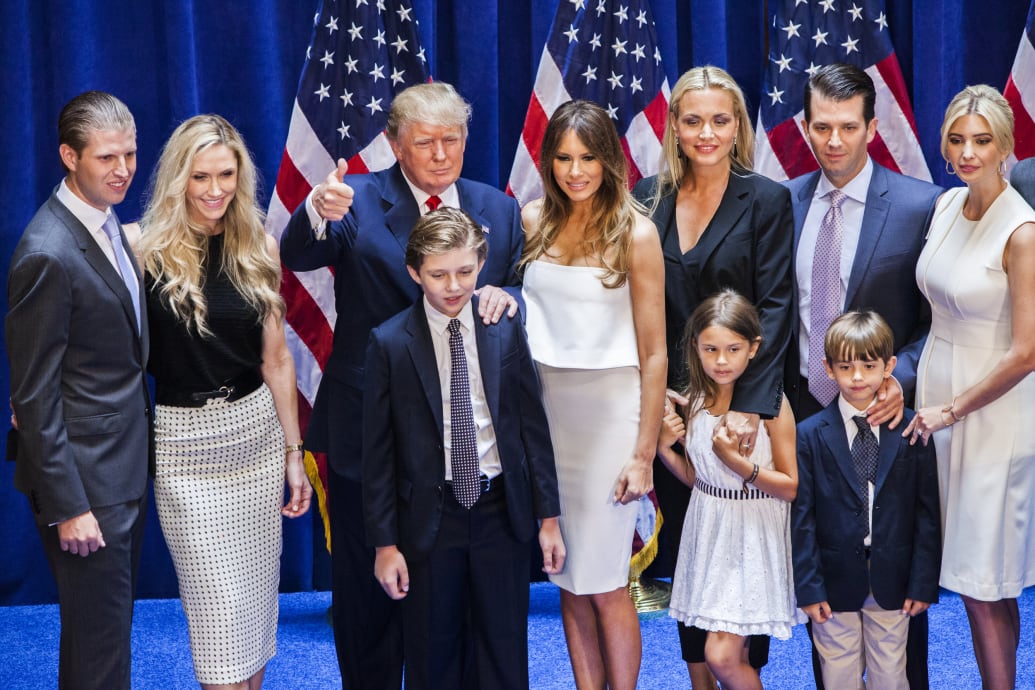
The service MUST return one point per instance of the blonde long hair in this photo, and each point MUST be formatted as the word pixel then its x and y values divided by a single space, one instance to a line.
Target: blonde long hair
pixel 174 248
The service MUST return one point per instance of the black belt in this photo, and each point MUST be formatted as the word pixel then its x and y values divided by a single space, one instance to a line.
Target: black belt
pixel 232 390
pixel 487 485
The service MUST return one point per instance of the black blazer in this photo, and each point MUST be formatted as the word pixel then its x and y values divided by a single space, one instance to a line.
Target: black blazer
pixel 367 249
pixel 78 381
pixel 827 535
pixel 403 456
pixel 746 247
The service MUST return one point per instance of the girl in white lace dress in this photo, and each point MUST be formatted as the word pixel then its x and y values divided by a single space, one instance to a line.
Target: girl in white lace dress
pixel 733 576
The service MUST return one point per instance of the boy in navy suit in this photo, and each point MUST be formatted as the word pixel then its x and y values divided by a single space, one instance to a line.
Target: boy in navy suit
pixel 865 526
pixel 457 468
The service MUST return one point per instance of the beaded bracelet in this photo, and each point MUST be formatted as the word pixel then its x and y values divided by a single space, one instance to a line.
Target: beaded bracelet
pixel 752 478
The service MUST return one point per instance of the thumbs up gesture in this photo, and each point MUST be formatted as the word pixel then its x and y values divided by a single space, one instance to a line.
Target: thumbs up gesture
pixel 332 198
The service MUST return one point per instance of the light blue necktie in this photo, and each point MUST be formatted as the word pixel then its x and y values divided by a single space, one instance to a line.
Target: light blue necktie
pixel 129 276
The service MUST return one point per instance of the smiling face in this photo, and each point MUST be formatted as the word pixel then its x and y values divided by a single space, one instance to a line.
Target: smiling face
pixel 970 147
pixel 448 280
pixel 838 134
pixel 578 172
pixel 211 186
pixel 431 156
pixel 859 379
pixel 101 175
pixel 705 126
pixel 724 354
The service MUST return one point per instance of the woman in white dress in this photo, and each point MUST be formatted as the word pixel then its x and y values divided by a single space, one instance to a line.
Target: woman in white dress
pixel 594 292
pixel 974 390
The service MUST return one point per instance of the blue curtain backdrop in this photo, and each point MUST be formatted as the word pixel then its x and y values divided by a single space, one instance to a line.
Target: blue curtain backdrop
pixel 171 59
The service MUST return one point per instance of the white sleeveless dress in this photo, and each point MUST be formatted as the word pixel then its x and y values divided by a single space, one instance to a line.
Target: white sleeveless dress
pixel 734 572
pixel 986 463
pixel 582 338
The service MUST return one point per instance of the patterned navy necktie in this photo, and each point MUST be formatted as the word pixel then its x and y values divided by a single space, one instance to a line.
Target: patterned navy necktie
pixel 864 459
pixel 463 436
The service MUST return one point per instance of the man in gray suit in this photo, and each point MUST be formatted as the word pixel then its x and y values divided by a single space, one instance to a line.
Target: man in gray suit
pixel 1022 177
pixel 883 221
pixel 77 341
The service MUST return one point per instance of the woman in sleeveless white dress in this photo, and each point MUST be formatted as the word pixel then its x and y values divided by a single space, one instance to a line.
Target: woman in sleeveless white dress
pixel 974 388
pixel 594 294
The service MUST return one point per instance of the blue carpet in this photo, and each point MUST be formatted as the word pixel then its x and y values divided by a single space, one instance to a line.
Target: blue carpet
pixel 305 656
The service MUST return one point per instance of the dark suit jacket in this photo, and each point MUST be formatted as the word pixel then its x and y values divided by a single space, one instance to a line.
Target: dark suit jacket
pixel 1022 177
pixel 367 252
pixel 883 278
pixel 826 532
pixel 403 456
pixel 78 384
pixel 746 247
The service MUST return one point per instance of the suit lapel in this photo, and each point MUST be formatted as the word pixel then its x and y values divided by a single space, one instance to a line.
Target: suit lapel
pixel 422 353
pixel 94 256
pixel 488 340
pixel 833 435
pixel 800 205
pixel 875 218
pixel 401 212
pixel 889 442
pixel 734 203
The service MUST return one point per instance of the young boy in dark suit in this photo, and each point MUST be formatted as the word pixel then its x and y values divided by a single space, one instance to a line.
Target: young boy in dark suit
pixel 865 526
pixel 457 468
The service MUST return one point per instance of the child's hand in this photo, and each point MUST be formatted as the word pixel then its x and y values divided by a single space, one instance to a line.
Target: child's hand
pixel 726 444
pixel 552 544
pixel 390 570
pixel 911 607
pixel 818 613
pixel 672 428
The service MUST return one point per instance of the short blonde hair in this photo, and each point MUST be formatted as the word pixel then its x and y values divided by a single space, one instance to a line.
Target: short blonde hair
pixel 983 100
pixel 859 335
pixel 434 103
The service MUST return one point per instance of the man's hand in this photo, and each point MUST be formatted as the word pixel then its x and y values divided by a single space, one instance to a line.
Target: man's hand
pixel 745 428
pixel 889 406
pixel 332 198
pixel 493 301
pixel 391 571
pixel 81 535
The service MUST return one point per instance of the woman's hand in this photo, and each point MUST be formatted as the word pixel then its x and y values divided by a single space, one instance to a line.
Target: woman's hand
pixel 927 421
pixel 635 481
pixel 298 483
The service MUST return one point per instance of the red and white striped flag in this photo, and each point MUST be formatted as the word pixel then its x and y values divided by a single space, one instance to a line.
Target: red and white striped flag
pixel 804 37
pixel 602 51
pixel 359 57
pixel 1020 92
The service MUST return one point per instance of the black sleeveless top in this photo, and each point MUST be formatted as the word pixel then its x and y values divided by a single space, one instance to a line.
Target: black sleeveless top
pixel 186 361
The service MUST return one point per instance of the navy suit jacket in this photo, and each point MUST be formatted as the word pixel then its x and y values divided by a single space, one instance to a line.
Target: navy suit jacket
pixel 78 380
pixel 366 250
pixel 403 456
pixel 746 247
pixel 1022 177
pixel 826 529
pixel 883 278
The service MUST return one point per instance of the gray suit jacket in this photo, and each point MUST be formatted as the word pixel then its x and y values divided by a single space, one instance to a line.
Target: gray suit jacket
pixel 1022 177
pixel 78 382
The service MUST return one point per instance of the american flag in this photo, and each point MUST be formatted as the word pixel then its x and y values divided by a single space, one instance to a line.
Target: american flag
pixel 807 34
pixel 361 54
pixel 604 51
pixel 1020 92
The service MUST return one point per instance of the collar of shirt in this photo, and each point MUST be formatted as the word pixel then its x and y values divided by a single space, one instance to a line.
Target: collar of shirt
pixel 92 219
pixel 439 322
pixel 848 411
pixel 450 197
pixel 856 189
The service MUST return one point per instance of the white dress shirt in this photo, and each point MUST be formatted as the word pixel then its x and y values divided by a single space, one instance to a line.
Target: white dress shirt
pixel 438 323
pixel 92 219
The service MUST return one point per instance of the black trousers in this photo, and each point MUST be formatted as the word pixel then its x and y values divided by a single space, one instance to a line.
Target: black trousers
pixel 367 622
pixel 466 614
pixel 95 599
